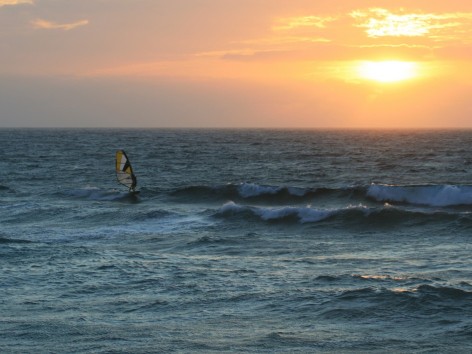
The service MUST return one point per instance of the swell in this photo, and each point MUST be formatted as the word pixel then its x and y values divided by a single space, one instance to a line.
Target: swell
pixel 424 293
pixel 441 195
pixel 248 191
pixel 456 197
pixel 360 214
pixel 358 297
pixel 433 302
pixel 6 240
pixel 375 206
pixel 429 195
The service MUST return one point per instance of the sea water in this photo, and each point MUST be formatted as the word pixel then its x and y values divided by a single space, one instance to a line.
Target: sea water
pixel 267 241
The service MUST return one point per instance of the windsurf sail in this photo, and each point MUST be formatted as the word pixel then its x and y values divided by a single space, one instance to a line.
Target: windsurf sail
pixel 124 171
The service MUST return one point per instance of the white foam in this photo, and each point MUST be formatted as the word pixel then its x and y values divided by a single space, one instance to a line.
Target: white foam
pixel 308 215
pixel 231 207
pixel 247 190
pixel 275 213
pixel 440 195
pixel 303 214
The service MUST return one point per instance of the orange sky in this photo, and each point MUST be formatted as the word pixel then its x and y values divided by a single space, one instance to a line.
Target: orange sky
pixel 236 63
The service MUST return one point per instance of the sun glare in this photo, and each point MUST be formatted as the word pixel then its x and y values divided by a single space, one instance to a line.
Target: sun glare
pixel 383 23
pixel 387 71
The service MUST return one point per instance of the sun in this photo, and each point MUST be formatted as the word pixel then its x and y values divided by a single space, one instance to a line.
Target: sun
pixel 388 71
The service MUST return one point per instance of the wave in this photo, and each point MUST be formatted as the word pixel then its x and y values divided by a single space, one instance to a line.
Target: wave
pixel 4 240
pixel 251 190
pixel 262 193
pixel 430 195
pixel 442 292
pixel 301 214
pixel 369 302
pixel 383 215
pixel 427 195
pixel 423 292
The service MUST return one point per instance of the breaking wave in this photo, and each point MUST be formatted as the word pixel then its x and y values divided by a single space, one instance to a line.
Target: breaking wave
pixel 434 195
pixel 262 193
pixel 381 215
pixel 301 214
pixel 428 195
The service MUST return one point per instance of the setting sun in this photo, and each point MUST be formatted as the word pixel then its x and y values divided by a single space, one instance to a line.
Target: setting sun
pixel 274 64
pixel 387 71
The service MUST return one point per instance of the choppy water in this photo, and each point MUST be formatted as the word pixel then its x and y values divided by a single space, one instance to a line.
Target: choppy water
pixel 240 241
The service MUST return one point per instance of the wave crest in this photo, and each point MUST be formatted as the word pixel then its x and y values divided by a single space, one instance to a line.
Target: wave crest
pixel 379 216
pixel 427 195
pixel 434 195
pixel 300 214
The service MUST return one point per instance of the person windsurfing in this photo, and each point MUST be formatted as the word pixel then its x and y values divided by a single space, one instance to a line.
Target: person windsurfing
pixel 124 171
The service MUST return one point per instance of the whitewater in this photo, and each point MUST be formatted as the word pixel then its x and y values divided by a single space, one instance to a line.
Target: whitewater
pixel 239 241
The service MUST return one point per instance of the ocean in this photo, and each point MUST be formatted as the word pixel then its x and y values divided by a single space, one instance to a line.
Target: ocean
pixel 240 241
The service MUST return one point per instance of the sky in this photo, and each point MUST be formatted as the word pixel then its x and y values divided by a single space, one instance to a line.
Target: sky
pixel 236 63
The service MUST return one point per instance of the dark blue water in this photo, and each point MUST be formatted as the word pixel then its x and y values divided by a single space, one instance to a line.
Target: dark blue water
pixel 239 241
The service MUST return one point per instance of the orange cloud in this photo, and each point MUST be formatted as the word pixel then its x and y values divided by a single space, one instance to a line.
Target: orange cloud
pixel 379 22
pixel 321 48
pixel 291 23
pixel 43 24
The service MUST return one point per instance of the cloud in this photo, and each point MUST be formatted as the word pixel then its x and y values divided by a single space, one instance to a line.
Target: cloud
pixel 379 22
pixel 402 34
pixel 43 24
pixel 288 36
pixel 292 23
pixel 15 2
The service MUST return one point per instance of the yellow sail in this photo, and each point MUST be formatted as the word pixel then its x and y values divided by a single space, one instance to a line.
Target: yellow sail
pixel 124 171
